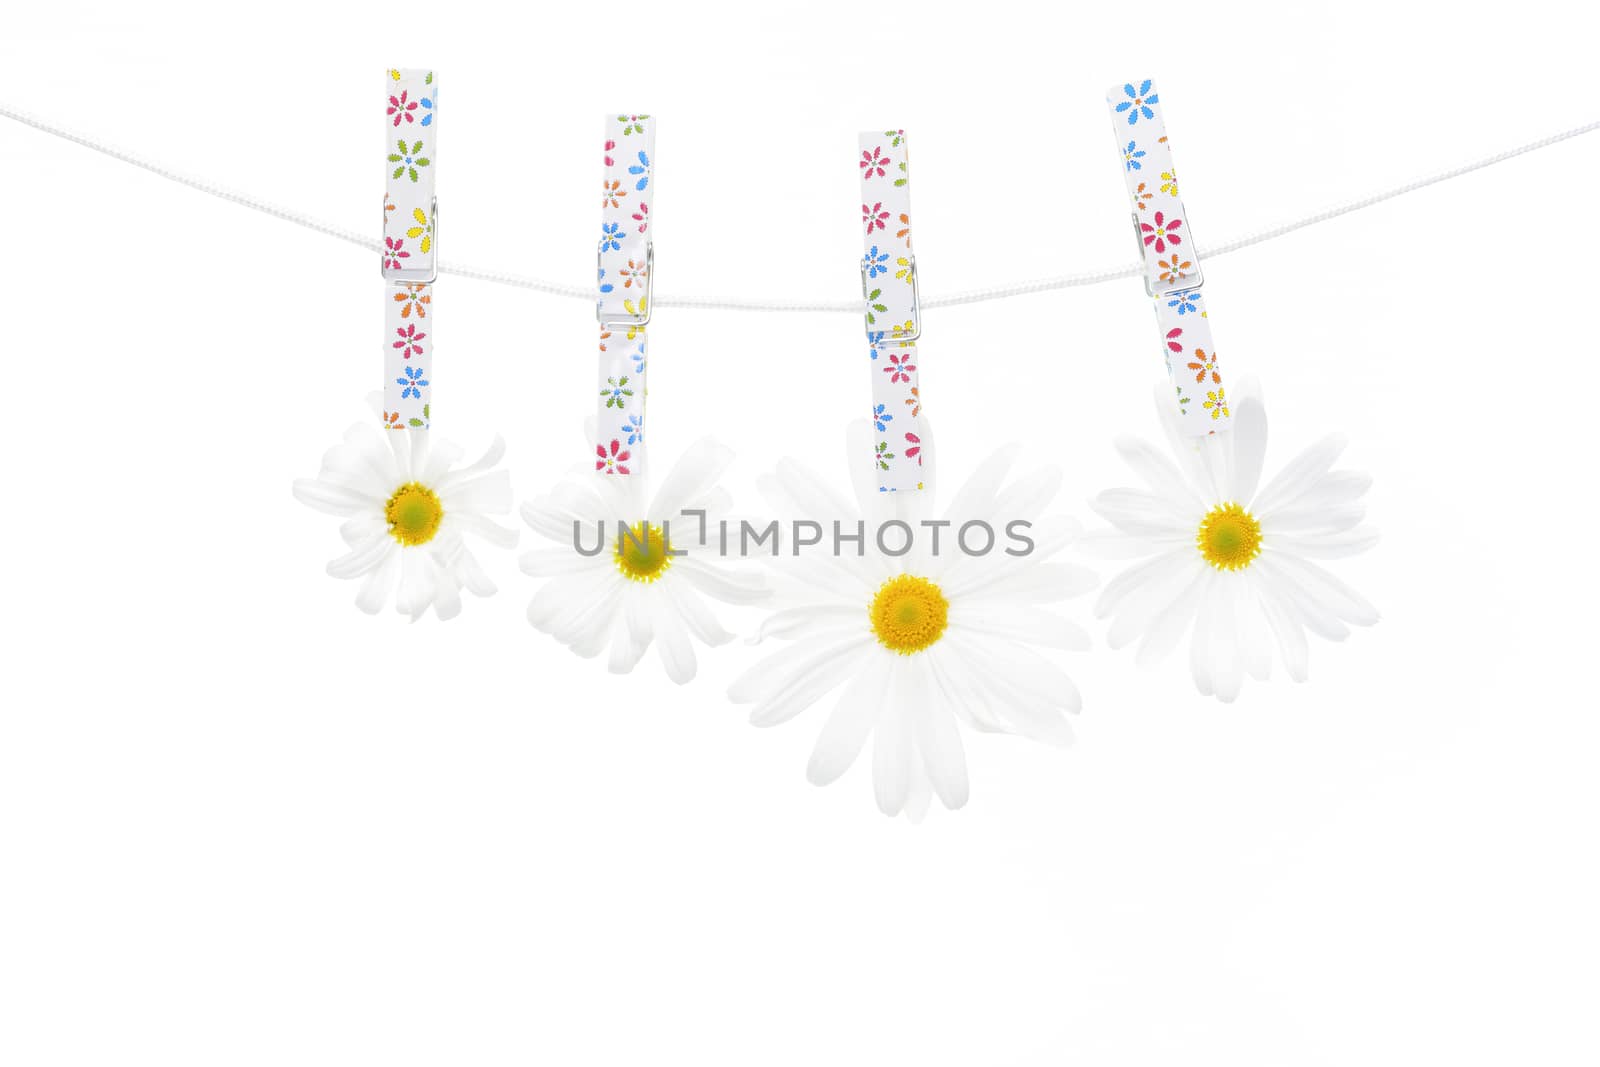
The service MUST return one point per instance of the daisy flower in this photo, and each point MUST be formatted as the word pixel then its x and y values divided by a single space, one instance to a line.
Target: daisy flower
pixel 1226 561
pixel 923 643
pixel 649 572
pixel 406 505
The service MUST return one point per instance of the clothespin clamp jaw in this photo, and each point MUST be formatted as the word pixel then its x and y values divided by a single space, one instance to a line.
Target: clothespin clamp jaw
pixel 410 253
pixel 900 333
pixel 646 307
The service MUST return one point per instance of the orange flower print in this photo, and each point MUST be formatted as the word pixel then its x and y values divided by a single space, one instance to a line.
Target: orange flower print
pixel 915 402
pixel 612 193
pixel 1172 270
pixel 1142 197
pixel 1207 365
pixel 414 298
pixel 904 232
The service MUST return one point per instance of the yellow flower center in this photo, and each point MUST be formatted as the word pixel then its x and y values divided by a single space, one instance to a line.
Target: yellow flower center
pixel 413 513
pixel 908 614
pixel 641 553
pixel 1229 537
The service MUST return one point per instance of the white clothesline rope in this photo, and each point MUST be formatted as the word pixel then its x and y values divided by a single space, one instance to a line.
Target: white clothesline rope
pixel 853 306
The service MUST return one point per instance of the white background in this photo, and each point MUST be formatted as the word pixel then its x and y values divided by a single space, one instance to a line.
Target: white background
pixel 241 823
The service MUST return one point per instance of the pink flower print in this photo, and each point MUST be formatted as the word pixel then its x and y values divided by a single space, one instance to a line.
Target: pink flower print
pixel 914 447
pixel 614 461
pixel 1172 339
pixel 874 164
pixel 410 340
pixel 900 368
pixel 393 252
pixel 611 194
pixel 875 217
pixel 402 109
pixel 642 217
pixel 1163 232
pixel 609 146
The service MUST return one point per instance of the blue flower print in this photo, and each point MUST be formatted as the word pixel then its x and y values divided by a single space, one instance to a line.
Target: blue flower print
pixel 413 381
pixel 875 338
pixel 1131 156
pixel 638 358
pixel 641 170
pixel 876 262
pixel 1138 103
pixel 605 286
pixel 427 105
pixel 634 428
pixel 1185 302
pixel 610 236
pixel 881 418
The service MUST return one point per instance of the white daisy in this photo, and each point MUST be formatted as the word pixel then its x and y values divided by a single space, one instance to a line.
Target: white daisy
pixel 923 642
pixel 1227 561
pixel 406 506
pixel 631 592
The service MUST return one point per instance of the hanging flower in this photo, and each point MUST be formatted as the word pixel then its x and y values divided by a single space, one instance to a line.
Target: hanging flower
pixel 1229 563
pixel 873 163
pixel 406 505
pixel 874 217
pixel 648 583
pixel 1137 105
pixel 413 298
pixel 612 462
pixel 1161 231
pixel 1131 156
pixel 410 340
pixel 919 644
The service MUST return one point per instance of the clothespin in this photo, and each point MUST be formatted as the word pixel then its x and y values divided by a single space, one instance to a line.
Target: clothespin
pixel 410 245
pixel 626 263
pixel 1172 274
pixel 892 306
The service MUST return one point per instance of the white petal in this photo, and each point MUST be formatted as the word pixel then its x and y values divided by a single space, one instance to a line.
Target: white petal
pixel 672 639
pixel 334 499
pixel 693 476
pixel 696 615
pixel 977 497
pixel 1227 663
pixel 363 558
pixel 487 529
pixel 1296 520
pixel 1200 642
pixel 1300 475
pixel 1136 577
pixel 1327 546
pixel 490 457
pixel 891 754
pixel 1136 611
pixel 725 584
pixel 380 581
pixel 1144 514
pixel 1159 473
pixel 630 640
pixel 1030 625
pixel 774 672
pixel 810 682
pixel 1167 628
pixel 812 619
pixel 938 741
pixel 1114 544
pixel 1249 435
pixel 489 494
pixel 850 722
pixel 1286 629
pixel 1322 587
